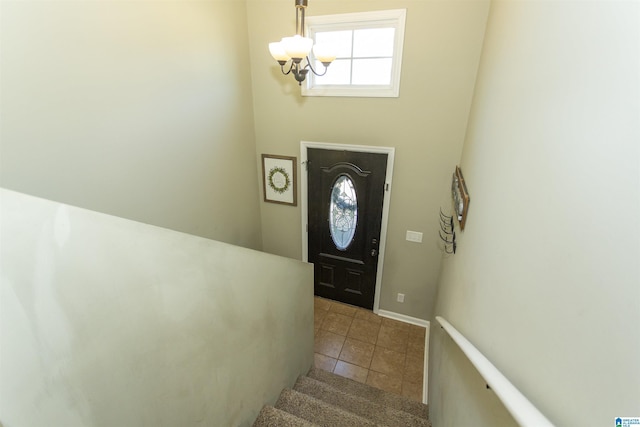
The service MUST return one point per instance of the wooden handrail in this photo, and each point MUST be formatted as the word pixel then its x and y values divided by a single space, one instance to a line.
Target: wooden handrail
pixel 516 403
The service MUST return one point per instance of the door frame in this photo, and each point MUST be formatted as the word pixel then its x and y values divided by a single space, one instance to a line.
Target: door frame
pixel 304 202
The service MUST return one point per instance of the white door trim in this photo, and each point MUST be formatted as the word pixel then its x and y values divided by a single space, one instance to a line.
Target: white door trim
pixel 390 152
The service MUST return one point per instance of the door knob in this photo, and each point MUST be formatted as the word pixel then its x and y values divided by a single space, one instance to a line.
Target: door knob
pixel 374 252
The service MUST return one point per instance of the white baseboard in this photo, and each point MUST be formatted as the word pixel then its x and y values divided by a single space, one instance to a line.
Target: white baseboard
pixel 404 318
pixel 425 377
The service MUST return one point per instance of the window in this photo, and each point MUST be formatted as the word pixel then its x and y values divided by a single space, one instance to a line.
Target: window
pixel 369 54
pixel 343 212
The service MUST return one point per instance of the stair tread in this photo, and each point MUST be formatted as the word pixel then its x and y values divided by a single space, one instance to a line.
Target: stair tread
pixel 374 411
pixel 274 417
pixel 316 411
pixel 373 394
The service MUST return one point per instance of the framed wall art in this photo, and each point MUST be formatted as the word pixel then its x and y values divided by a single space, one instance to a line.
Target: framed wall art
pixel 460 197
pixel 279 179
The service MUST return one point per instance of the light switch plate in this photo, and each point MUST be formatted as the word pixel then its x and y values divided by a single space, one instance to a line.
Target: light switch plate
pixel 414 236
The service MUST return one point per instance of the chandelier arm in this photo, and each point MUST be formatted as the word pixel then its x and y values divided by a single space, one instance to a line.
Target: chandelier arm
pixel 313 70
pixel 290 68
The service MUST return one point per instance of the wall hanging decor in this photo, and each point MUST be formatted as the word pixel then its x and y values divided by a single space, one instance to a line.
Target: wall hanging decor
pixel 460 197
pixel 279 179
pixel 449 236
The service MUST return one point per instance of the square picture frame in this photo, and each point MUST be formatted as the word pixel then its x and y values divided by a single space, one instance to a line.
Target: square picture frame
pixel 460 197
pixel 279 179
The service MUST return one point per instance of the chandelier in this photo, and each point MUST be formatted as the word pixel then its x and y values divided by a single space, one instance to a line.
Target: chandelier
pixel 297 48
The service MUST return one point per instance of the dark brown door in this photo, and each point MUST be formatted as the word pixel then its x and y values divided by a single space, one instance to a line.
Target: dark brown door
pixel 346 192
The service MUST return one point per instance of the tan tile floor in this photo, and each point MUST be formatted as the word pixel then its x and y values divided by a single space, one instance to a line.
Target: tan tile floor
pixel 358 344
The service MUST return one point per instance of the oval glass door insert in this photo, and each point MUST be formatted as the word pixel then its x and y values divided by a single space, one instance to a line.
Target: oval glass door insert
pixel 343 212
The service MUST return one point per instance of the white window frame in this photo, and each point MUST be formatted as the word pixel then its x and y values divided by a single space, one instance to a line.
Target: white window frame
pixel 395 18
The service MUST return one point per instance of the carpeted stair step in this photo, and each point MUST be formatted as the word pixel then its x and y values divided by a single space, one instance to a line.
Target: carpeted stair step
pixel 318 412
pixel 373 394
pixel 379 414
pixel 274 417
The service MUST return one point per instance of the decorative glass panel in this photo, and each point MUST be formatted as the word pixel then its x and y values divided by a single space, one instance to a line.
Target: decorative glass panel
pixel 343 212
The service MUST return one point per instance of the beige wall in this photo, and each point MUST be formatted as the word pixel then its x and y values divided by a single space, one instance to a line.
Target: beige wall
pixel 137 109
pixel 110 322
pixel 545 282
pixel 426 125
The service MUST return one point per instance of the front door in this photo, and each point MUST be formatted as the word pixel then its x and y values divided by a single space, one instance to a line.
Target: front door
pixel 345 191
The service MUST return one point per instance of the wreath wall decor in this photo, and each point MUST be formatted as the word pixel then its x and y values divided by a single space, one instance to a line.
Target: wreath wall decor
pixel 279 179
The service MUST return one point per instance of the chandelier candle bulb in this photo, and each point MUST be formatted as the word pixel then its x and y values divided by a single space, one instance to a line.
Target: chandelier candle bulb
pixel 297 47
pixel 278 52
pixel 323 53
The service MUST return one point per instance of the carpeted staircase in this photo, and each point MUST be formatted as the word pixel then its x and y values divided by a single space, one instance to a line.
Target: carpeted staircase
pixel 324 399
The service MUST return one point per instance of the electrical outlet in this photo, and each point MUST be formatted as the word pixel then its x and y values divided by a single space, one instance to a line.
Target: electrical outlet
pixel 414 236
pixel 400 297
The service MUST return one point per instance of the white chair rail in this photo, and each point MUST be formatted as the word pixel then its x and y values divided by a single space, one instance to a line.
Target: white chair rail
pixel 516 403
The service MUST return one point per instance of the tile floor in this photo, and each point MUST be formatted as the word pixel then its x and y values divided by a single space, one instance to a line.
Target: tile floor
pixel 358 344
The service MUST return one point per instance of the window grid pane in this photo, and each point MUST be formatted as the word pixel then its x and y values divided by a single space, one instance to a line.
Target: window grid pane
pixel 373 42
pixel 371 71
pixel 339 73
pixel 340 41
pixel 373 48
